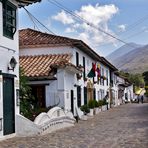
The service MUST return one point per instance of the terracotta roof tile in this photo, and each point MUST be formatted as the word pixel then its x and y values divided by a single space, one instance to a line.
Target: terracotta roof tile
pixel 23 3
pixel 29 38
pixel 40 65
pixel 32 37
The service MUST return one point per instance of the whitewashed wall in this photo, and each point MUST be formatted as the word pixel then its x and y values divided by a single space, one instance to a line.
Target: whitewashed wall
pixel 66 80
pixel 5 56
pixel 45 50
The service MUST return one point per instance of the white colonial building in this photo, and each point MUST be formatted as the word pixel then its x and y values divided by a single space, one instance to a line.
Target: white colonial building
pixel 124 90
pixel 58 68
pixel 9 64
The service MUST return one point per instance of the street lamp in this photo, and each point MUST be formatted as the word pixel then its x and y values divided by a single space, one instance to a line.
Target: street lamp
pixel 12 63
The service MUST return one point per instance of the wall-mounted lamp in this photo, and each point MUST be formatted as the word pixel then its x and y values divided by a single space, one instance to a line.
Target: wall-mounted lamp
pixel 0 124
pixel 12 63
pixel 81 67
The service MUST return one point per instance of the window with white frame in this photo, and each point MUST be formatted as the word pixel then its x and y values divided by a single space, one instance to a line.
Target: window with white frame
pixel 9 19
pixel 102 95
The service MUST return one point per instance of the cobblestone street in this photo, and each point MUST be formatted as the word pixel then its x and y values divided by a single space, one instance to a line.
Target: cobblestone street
pixel 125 126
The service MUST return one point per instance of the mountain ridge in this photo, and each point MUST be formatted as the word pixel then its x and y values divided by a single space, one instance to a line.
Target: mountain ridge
pixel 134 61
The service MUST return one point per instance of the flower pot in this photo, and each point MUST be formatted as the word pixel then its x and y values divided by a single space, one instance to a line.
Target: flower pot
pixel 99 110
pixel 91 112
pixel 96 110
pixel 104 107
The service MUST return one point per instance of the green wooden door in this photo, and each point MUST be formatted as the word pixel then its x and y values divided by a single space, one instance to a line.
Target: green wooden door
pixel 8 105
pixel 79 96
pixel 85 95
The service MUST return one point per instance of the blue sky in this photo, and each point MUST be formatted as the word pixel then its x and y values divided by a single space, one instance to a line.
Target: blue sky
pixel 125 19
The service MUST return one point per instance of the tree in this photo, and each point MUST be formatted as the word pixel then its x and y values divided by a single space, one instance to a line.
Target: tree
pixel 136 79
pixel 145 75
pixel 26 98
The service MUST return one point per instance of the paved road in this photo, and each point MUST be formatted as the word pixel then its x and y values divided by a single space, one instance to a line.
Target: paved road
pixel 123 127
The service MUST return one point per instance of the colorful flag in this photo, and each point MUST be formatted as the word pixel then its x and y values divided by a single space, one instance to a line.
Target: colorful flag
pixel 98 70
pixel 92 72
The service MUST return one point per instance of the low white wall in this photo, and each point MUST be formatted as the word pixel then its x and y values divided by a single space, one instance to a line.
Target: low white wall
pixel 54 119
pixel 26 127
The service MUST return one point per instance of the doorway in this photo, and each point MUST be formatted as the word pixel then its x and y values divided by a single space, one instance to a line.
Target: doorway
pixel 8 105
pixel 72 101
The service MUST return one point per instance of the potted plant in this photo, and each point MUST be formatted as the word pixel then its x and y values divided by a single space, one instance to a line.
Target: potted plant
pixel 96 106
pixel 85 109
pixel 104 105
pixel 100 102
pixel 91 105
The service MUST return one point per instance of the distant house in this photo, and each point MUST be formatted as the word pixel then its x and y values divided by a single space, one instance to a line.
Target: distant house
pixel 60 70
pixel 125 90
pixel 9 64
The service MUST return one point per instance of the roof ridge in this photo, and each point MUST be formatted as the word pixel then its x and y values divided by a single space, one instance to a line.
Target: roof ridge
pixel 59 54
pixel 49 34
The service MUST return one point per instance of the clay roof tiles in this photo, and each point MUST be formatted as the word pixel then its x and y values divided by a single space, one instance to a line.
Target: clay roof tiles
pixel 30 37
pixel 23 3
pixel 41 65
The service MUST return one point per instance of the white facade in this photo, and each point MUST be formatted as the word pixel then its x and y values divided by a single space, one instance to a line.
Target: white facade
pixel 59 91
pixel 8 49
pixel 127 88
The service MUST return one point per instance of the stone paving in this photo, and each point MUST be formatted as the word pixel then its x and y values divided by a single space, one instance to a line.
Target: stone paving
pixel 125 126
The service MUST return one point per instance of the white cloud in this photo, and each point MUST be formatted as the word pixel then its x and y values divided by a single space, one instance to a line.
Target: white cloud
pixel 84 37
pixel 122 27
pixel 69 30
pixel 63 17
pixel 98 15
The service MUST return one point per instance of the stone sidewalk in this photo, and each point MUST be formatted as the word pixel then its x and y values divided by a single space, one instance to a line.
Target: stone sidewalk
pixel 125 126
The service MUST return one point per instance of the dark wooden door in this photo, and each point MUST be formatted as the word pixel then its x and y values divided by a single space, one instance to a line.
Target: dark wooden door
pixel 38 91
pixel 85 95
pixel 72 102
pixel 8 106
pixel 94 91
pixel 79 96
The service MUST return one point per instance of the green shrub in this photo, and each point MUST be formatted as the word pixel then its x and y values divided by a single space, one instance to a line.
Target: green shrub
pixel 146 94
pixel 85 109
pixel 96 103
pixel 100 102
pixel 91 104
pixel 104 102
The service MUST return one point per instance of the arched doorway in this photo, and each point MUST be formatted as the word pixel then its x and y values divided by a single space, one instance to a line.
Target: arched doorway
pixel 90 91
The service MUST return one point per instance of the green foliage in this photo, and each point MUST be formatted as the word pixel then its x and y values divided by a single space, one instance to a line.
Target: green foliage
pixel 28 107
pixel 104 102
pixel 25 89
pixel 91 104
pixel 146 94
pixel 26 98
pixel 100 102
pixel 145 76
pixel 85 109
pixel 136 79
pixel 96 103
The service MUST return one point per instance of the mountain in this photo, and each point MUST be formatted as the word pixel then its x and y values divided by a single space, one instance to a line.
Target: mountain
pixel 122 51
pixel 133 60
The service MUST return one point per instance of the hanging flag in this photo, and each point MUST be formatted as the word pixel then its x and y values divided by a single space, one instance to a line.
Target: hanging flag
pixel 98 70
pixel 94 67
pixel 92 72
